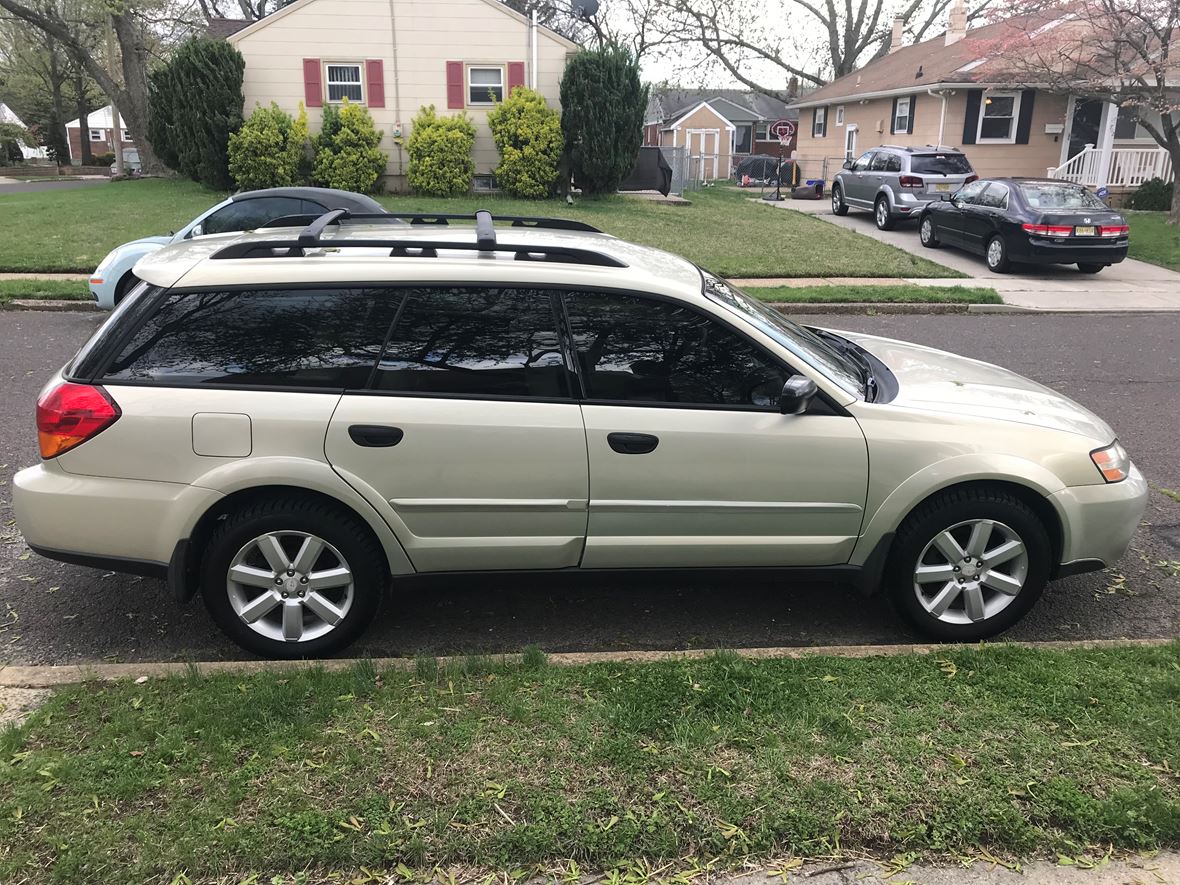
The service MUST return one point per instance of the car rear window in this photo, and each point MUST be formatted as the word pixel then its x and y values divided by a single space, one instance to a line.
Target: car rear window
pixel 308 338
pixel 1052 195
pixel 939 164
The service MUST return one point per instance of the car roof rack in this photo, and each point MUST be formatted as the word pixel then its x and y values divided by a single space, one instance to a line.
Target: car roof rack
pixel 403 247
pixel 440 218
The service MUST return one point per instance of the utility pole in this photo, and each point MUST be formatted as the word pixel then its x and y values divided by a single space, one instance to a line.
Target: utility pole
pixel 116 120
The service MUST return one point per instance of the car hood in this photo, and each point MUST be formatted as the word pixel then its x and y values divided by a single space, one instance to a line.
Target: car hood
pixel 935 380
pixel 157 241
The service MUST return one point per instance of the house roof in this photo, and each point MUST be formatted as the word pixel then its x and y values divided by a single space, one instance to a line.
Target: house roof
pixel 689 111
pixel 100 119
pixel 8 115
pixel 220 28
pixel 920 66
pixel 736 105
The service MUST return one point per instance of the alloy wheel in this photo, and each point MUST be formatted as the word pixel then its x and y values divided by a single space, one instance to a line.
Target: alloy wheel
pixel 835 199
pixel 995 253
pixel 882 213
pixel 290 586
pixel 926 232
pixel 971 571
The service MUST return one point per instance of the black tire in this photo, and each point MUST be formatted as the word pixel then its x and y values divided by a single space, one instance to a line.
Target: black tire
pixel 125 285
pixel 881 215
pixel 334 524
pixel 934 517
pixel 1000 264
pixel 927 233
pixel 839 207
pixel 1090 268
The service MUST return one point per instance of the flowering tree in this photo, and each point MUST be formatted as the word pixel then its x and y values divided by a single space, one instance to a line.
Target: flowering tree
pixel 1122 51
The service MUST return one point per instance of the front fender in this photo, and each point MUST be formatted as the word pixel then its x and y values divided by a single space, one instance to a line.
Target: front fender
pixel 973 467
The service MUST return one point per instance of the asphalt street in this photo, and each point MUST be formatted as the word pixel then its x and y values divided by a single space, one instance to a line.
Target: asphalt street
pixel 1126 368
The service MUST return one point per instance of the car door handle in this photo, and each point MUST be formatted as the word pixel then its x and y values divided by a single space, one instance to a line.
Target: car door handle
pixel 375 436
pixel 632 443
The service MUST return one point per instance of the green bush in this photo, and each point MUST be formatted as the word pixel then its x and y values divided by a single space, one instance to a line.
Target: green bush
pixel 439 148
pixel 269 150
pixel 602 105
pixel 347 156
pixel 10 137
pixel 527 133
pixel 1154 194
pixel 104 159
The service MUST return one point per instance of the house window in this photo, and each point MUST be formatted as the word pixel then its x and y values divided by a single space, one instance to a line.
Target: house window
pixel 997 118
pixel 1128 126
pixel 344 81
pixel 819 124
pixel 485 85
pixel 762 132
pixel 840 115
pixel 742 138
pixel 901 115
pixel 126 135
pixel 97 135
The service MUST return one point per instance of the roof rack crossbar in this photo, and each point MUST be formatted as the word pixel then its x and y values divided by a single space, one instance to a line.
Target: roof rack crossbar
pixel 417 248
pixel 485 231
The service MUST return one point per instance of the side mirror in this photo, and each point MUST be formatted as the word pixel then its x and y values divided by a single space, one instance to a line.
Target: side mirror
pixel 197 230
pixel 847 164
pixel 797 394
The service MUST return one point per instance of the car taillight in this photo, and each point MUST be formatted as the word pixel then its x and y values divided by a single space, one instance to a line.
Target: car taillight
pixel 1048 230
pixel 1114 230
pixel 970 178
pixel 70 414
pixel 910 181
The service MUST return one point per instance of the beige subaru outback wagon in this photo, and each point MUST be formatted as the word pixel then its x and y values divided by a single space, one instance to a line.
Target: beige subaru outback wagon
pixel 288 419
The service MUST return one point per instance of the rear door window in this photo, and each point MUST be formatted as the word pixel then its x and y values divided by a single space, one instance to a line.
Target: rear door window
pixel 303 338
pixel 880 162
pixel 939 164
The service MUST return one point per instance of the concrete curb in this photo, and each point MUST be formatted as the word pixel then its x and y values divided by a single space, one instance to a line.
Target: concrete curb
pixel 49 304
pixel 846 307
pixel 14 676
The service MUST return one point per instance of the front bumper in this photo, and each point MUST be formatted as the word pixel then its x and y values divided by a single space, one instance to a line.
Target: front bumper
pixel 1099 521
pixel 1042 250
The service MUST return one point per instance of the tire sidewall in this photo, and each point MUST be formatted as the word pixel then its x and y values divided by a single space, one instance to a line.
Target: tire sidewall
pixel 1002 264
pixel 838 206
pixel 338 530
pixel 943 513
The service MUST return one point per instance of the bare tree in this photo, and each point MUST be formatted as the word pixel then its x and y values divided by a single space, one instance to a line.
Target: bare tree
pixel 1121 51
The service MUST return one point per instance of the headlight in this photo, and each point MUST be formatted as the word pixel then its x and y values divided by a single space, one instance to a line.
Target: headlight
pixel 1112 462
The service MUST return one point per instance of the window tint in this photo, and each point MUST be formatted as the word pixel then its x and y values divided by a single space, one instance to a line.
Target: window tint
pixel 500 342
pixel 970 193
pixel 939 164
pixel 287 338
pixel 880 162
pixel 249 214
pixel 638 349
pixel 996 196
pixel 893 164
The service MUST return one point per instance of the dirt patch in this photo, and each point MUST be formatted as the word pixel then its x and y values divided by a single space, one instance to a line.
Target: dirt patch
pixel 17 703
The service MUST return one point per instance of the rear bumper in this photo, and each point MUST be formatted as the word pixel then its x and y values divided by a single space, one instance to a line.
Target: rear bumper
pixel 1044 251
pixel 1099 522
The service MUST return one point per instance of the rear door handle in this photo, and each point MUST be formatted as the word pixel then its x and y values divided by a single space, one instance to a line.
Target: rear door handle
pixel 375 436
pixel 632 443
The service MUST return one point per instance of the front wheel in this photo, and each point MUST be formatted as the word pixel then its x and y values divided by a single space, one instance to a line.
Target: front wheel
pixel 997 255
pixel 293 577
pixel 968 564
pixel 881 214
pixel 1090 268
pixel 838 205
pixel 926 233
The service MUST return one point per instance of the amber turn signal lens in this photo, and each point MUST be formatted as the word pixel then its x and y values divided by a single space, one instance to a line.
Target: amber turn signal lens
pixel 1112 462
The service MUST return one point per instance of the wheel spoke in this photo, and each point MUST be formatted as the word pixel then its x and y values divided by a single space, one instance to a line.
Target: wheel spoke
pixel 999 555
pixel 981 533
pixel 973 602
pixel 306 558
pixel 292 621
pixel 276 557
pixel 941 602
pixel 252 577
pixel 949 547
pixel 928 574
pixel 329 578
pixel 325 609
pixel 256 608
pixel 1002 583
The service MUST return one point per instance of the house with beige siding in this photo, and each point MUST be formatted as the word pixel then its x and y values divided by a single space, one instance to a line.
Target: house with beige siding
pixel 944 91
pixel 395 56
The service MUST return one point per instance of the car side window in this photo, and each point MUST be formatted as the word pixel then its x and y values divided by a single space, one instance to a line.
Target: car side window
pixel 970 193
pixel 635 349
pixel 863 162
pixel 995 196
pixel 316 338
pixel 249 214
pixel 475 341
pixel 880 162
pixel 893 164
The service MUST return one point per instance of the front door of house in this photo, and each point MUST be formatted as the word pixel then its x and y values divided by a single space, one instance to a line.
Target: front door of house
pixel 850 142
pixel 1083 130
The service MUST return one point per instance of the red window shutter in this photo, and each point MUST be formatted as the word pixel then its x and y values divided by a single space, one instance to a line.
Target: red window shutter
pixel 455 84
pixel 375 82
pixel 515 75
pixel 313 83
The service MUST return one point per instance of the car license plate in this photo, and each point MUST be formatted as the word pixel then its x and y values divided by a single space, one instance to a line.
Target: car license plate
pixel 942 188
pixel 1084 231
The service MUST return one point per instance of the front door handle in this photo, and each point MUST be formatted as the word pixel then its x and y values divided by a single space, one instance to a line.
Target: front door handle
pixel 375 436
pixel 632 443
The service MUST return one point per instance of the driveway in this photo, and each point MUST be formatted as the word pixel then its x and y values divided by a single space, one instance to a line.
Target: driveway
pixel 1127 368
pixel 1129 285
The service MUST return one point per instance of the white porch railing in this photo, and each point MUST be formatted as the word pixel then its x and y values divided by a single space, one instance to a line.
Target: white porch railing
pixel 1122 167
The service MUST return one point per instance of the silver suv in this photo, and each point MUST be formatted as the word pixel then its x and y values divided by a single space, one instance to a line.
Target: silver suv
pixel 896 183
pixel 286 420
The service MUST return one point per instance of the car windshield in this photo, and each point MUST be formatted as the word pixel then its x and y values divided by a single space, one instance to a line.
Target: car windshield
pixel 1052 195
pixel 802 343
pixel 939 164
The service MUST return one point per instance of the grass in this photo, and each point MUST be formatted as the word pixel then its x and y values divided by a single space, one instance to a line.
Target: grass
pixel 65 290
pixel 910 294
pixel 1153 239
pixel 529 767
pixel 723 229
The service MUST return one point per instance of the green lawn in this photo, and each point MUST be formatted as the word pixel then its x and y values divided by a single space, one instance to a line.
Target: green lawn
pixel 910 294
pixel 526 768
pixel 43 289
pixel 1153 239
pixel 722 230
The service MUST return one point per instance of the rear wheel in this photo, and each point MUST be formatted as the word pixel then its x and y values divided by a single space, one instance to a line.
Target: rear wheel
pixel 968 564
pixel 838 205
pixel 926 233
pixel 881 214
pixel 292 577
pixel 997 255
pixel 1090 268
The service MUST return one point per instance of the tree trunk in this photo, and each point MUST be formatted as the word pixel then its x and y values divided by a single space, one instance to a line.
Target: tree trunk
pixel 1174 214
pixel 133 97
pixel 83 116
